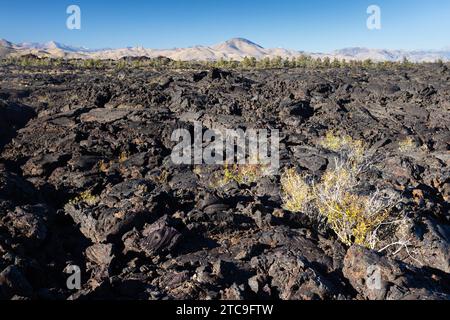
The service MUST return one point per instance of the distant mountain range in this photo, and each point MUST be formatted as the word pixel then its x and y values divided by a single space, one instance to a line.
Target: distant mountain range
pixel 235 49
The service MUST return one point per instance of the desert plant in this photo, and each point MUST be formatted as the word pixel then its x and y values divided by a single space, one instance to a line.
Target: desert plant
pixel 103 166
pixel 85 197
pixel 123 156
pixel 354 217
pixel 297 193
pixel 334 198
pixel 406 144
pixel 242 174
pixel 246 173
pixel 345 146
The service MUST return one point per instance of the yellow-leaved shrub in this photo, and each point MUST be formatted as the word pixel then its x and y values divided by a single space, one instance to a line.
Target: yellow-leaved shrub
pixel 355 218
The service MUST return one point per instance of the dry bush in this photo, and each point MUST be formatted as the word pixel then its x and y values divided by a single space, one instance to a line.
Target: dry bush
pixel 247 173
pixel 242 174
pixel 85 197
pixel 354 217
pixel 297 193
pixel 345 146
pixel 123 156
pixel 406 145
pixel 103 166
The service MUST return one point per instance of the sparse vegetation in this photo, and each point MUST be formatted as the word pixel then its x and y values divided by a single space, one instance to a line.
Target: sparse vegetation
pixel 242 174
pixel 246 173
pixel 354 217
pixel 103 166
pixel 123 157
pixel 407 144
pixel 85 197
pixel 162 177
pixel 297 193
pixel 353 150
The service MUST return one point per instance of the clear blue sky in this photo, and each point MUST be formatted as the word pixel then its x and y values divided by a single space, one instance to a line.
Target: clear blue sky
pixel 315 25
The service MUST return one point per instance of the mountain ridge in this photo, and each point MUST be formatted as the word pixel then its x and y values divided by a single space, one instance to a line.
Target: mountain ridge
pixel 235 49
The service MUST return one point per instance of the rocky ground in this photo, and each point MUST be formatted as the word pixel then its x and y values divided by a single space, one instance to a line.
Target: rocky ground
pixel 86 179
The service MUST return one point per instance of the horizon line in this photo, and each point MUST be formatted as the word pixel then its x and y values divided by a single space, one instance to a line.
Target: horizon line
pixel 215 44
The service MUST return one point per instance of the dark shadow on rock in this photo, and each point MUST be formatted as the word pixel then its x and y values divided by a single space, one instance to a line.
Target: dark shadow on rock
pixel 13 116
